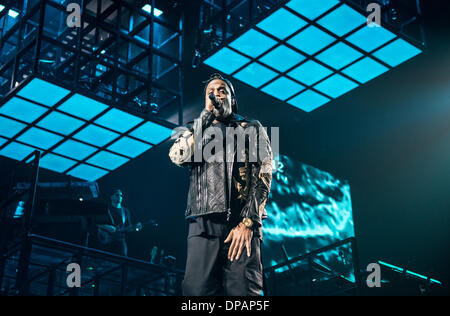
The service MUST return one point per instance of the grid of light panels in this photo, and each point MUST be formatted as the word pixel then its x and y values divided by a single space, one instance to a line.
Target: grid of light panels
pixel 309 52
pixel 77 135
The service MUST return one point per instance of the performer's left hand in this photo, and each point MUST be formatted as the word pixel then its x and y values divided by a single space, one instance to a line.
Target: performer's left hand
pixel 239 236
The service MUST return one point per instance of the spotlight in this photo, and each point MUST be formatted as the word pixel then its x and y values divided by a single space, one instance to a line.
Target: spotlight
pixel 13 13
pixel 148 8
pixel 2 7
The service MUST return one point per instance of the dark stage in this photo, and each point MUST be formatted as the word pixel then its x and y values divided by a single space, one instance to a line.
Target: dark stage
pixel 91 92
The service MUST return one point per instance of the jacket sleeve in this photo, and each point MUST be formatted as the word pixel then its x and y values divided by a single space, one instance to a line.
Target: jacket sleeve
pixel 260 180
pixel 182 151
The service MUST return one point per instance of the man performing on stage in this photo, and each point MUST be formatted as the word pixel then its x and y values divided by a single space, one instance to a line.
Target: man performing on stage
pixel 227 195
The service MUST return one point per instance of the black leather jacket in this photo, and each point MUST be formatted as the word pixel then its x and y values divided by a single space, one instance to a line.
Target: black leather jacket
pixel 211 182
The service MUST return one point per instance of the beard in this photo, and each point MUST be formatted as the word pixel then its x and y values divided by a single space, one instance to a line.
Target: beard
pixel 223 111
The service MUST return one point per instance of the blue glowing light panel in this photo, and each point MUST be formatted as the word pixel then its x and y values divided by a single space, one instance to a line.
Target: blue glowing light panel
pixel 307 209
pixel 76 135
pixel 310 52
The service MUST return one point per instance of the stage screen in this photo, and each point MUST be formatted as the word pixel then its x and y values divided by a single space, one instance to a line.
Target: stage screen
pixel 307 209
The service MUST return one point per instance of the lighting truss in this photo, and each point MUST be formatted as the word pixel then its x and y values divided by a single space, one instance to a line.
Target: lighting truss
pixel 303 52
pixel 77 135
pixel 90 98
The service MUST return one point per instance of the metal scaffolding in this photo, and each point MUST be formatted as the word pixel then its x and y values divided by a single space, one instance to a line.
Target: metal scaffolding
pixel 120 53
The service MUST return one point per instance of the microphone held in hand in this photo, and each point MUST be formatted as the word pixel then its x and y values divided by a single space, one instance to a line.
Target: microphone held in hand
pixel 214 101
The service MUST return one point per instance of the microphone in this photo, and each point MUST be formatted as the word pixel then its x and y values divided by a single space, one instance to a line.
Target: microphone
pixel 214 101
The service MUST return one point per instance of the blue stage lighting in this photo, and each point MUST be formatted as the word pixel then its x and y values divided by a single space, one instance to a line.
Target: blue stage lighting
pixel 365 70
pixel 60 123
pixel 227 60
pixel 339 55
pixel 50 126
pixel 152 133
pixel 43 92
pixel 335 86
pixel 76 150
pixel 56 163
pixel 96 135
pixel 23 110
pixel 13 13
pixel 87 172
pixel 129 147
pixel 107 160
pixel 83 107
pixel 148 8
pixel 311 40
pixel 118 120
pixel 255 75
pixel 253 43
pixel 342 20
pixel 2 141
pixel 308 100
pixel 282 23
pixel 39 138
pixel 9 128
pixel 370 38
pixel 309 72
pixel 16 151
pixel 282 58
pixel 397 52
pixel 283 88
pixel 2 7
pixel 311 9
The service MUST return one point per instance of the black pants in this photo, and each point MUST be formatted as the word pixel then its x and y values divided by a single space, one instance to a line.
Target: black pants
pixel 209 272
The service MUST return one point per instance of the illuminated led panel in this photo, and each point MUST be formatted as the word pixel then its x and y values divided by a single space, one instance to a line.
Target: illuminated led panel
pixel 60 123
pixel 22 110
pixel 118 120
pixel 342 20
pixel 73 149
pixel 39 138
pixel 16 151
pixel 369 38
pixel 255 75
pixel 282 58
pixel 339 55
pixel 9 128
pixel 397 52
pixel 311 40
pixel 365 70
pixel 309 72
pixel 87 172
pixel 227 60
pixel 308 100
pixel 83 107
pixel 324 45
pixel 2 141
pixel 335 86
pixel 283 88
pixel 43 92
pixel 152 133
pixel 129 147
pixel 107 160
pixel 312 9
pixel 56 163
pixel 253 43
pixel 96 135
pixel 282 23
